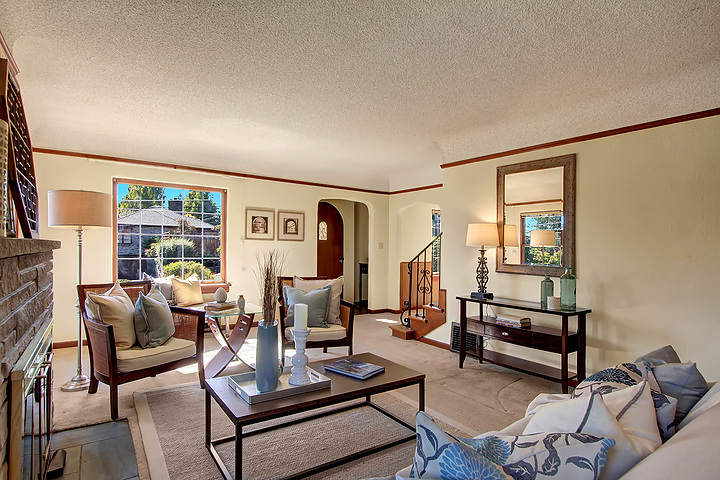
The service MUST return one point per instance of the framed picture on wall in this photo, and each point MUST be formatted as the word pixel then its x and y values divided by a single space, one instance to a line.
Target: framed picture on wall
pixel 291 225
pixel 259 224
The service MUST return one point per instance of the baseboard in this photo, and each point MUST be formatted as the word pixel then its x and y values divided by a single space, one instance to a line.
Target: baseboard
pixel 434 343
pixel 71 343
pixel 385 310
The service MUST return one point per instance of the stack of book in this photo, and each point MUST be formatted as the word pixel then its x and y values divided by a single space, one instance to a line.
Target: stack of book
pixel 510 320
pixel 219 306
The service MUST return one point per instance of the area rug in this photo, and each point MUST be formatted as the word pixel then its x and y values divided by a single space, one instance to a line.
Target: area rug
pixel 172 426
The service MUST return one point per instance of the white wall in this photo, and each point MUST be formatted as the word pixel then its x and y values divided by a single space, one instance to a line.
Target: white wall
pixel 362 240
pixel 60 172
pixel 647 233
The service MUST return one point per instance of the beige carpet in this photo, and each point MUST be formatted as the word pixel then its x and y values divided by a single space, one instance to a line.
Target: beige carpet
pixel 172 428
pixel 483 397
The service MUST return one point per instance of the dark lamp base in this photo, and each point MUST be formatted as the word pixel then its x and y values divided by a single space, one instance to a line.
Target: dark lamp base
pixel 482 296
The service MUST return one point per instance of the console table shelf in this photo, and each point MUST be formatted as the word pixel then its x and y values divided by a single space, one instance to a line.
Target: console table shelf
pixel 549 339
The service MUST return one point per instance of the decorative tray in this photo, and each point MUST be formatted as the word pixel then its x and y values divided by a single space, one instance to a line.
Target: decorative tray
pixel 244 385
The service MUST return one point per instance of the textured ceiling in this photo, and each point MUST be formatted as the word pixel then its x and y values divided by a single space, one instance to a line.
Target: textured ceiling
pixel 368 94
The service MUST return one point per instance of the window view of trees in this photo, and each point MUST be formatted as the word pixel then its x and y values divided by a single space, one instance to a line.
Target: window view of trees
pixel 551 256
pixel 163 231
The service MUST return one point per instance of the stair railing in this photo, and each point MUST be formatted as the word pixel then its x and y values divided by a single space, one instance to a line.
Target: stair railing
pixel 421 281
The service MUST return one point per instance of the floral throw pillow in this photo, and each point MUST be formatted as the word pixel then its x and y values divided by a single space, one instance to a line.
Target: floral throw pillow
pixel 626 375
pixel 439 455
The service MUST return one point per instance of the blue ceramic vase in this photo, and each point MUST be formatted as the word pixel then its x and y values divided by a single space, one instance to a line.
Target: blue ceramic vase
pixel 267 364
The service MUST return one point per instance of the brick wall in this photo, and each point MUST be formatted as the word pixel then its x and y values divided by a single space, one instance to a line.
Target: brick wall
pixel 26 301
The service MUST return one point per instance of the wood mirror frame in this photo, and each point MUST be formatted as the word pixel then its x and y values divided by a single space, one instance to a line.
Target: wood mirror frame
pixel 568 164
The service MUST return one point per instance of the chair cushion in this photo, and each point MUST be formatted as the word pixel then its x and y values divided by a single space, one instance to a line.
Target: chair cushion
pixel 318 302
pixel 337 285
pixel 709 400
pixel 320 334
pixel 138 358
pixel 115 308
pixel 186 292
pixel 153 320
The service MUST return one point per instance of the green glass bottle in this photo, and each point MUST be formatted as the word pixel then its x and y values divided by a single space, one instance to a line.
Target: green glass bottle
pixel 568 289
pixel 547 289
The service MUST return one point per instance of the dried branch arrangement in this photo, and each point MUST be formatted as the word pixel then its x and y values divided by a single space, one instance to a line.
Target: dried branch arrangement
pixel 270 265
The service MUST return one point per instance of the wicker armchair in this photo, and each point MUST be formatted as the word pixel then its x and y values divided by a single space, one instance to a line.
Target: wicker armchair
pixel 347 317
pixel 104 365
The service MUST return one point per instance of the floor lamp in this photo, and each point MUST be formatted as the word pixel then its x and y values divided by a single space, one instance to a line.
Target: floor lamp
pixel 79 209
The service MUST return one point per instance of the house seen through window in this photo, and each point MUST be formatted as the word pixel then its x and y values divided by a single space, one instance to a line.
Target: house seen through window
pixel 165 230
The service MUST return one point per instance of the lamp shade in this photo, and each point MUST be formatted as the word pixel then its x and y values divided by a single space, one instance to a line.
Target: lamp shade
pixel 542 238
pixel 482 235
pixel 79 209
pixel 510 237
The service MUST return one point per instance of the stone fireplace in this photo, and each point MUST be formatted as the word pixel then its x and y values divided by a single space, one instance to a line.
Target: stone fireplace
pixel 26 305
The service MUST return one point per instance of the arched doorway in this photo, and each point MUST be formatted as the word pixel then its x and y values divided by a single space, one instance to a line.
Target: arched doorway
pixel 330 241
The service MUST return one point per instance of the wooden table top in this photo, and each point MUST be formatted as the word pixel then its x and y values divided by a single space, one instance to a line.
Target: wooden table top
pixel 342 388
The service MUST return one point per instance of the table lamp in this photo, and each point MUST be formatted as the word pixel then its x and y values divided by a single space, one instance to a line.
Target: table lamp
pixel 79 210
pixel 482 235
pixel 543 239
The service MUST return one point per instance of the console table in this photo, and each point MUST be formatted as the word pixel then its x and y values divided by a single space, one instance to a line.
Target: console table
pixel 548 339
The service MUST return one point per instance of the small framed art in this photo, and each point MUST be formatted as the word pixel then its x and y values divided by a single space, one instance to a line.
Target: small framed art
pixel 259 224
pixel 291 225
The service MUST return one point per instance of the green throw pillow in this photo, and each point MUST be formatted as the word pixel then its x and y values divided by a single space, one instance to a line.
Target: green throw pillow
pixel 154 323
pixel 318 302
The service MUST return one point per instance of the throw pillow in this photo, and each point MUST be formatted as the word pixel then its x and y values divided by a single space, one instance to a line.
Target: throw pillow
pixel 153 320
pixel 666 354
pixel 588 415
pixel 115 308
pixel 633 408
pixel 682 381
pixel 628 374
pixel 337 285
pixel 164 283
pixel 318 302
pixel 709 400
pixel 439 455
pixel 186 292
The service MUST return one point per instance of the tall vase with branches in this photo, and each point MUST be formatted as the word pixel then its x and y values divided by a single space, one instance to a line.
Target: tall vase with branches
pixel 267 364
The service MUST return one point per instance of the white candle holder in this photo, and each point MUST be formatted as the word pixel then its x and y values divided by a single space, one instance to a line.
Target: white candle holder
pixel 299 374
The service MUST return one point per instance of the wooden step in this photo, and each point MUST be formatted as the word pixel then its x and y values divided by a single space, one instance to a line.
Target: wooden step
pixel 434 317
pixel 401 331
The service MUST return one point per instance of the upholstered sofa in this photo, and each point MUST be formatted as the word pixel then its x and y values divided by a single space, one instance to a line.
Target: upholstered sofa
pixel 621 422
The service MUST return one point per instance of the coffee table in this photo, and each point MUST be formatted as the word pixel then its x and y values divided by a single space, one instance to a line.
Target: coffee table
pixel 342 389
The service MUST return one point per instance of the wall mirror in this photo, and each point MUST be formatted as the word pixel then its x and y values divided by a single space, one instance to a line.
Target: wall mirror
pixel 536 216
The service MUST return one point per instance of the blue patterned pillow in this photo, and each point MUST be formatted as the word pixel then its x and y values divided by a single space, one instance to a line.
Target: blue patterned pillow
pixel 626 375
pixel 439 455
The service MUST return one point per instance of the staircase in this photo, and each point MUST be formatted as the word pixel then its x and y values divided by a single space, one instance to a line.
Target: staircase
pixel 422 298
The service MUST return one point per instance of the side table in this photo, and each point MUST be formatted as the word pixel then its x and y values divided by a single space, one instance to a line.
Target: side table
pixel 554 340
pixel 231 340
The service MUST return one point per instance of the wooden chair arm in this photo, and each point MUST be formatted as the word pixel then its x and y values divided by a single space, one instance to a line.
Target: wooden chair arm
pixel 347 316
pixel 101 341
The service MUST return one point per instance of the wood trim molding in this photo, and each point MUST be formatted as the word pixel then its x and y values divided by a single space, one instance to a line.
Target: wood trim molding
pixel 556 143
pixel 385 310
pixel 416 189
pixel 8 55
pixel 591 136
pixel 434 343
pixel 170 166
